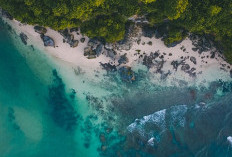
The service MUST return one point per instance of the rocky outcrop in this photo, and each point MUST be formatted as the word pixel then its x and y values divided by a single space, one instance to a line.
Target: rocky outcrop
pixel 109 67
pixel 126 74
pixel 201 43
pixel 48 41
pixel 23 38
pixel 6 14
pixel 40 30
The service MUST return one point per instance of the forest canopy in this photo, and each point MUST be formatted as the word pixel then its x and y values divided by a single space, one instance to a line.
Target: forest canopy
pixel 107 18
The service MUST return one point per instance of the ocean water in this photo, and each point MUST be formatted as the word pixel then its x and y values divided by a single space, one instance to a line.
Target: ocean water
pixel 48 109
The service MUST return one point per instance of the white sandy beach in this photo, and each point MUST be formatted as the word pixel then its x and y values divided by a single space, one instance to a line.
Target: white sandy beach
pixel 207 69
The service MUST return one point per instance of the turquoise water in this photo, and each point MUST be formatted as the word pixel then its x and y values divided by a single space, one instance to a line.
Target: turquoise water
pixel 46 111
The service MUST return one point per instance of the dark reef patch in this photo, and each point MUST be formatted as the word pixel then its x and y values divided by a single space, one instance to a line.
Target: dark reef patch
pixel 63 112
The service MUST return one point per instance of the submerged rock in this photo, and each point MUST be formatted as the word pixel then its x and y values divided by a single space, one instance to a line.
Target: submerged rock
pixel 48 41
pixel 102 138
pixel 23 38
pixel 108 67
pixel 126 74
pixel 103 148
pixel 89 52
pixel 40 30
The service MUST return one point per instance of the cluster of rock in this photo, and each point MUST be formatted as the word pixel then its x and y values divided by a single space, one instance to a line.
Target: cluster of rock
pixel 69 37
pixel 159 32
pixel 94 48
pixel 48 41
pixel 201 43
pixel 5 14
pixel 184 67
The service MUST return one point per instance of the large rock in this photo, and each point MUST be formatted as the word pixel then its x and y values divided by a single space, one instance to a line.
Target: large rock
pixel 148 60
pixel 99 49
pixel 40 30
pixel 23 38
pixel 126 74
pixel 89 52
pixel 48 41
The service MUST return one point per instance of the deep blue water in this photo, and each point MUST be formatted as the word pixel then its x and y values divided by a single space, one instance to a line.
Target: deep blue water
pixel 39 116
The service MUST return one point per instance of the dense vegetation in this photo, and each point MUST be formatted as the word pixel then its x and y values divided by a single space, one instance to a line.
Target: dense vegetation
pixel 107 18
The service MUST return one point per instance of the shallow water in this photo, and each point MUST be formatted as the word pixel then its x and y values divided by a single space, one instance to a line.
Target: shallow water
pixel 47 109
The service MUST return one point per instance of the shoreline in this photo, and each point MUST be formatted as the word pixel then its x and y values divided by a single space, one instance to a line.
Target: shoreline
pixel 168 66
